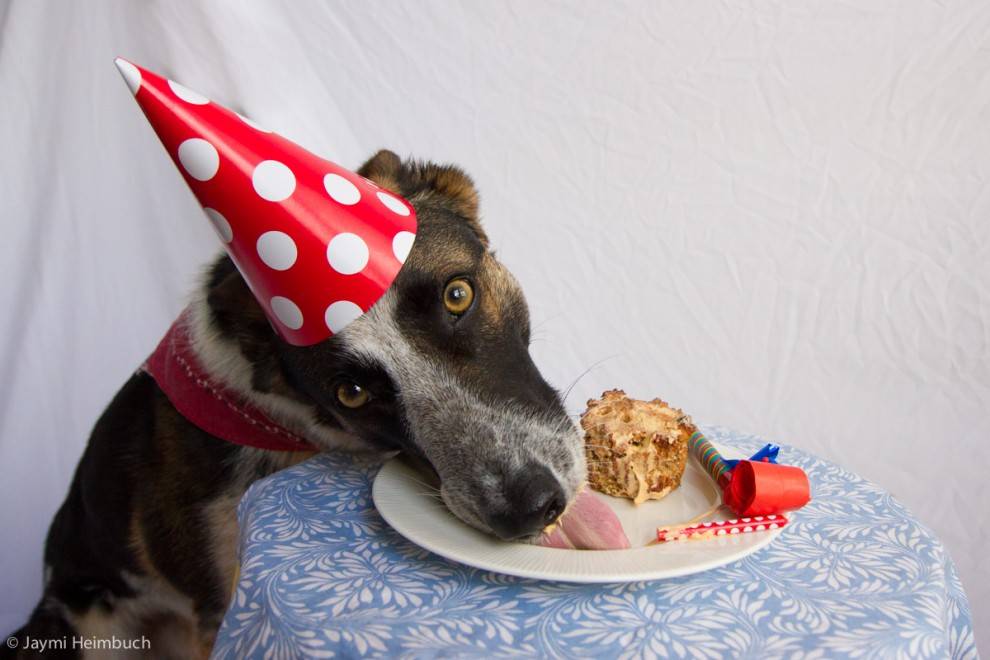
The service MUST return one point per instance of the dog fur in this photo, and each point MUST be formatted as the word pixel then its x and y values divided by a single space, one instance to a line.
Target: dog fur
pixel 145 543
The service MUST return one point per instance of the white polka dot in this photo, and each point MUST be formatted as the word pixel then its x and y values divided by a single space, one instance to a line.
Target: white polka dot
pixel 340 314
pixel 341 190
pixel 394 205
pixel 347 254
pixel 401 244
pixel 220 224
pixel 187 94
pixel 287 312
pixel 199 158
pixel 131 74
pixel 277 250
pixel 273 181
pixel 252 124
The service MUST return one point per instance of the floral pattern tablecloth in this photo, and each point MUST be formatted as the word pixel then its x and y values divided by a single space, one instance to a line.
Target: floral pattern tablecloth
pixel 322 575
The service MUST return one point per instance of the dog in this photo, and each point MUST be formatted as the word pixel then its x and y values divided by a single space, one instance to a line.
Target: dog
pixel 438 369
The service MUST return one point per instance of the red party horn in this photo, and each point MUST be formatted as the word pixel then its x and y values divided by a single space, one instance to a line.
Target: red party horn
pixel 756 488
pixel 753 488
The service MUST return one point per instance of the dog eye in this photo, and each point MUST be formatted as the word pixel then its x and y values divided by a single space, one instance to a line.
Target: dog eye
pixel 458 296
pixel 352 395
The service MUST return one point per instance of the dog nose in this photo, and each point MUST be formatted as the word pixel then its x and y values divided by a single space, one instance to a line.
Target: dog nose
pixel 535 500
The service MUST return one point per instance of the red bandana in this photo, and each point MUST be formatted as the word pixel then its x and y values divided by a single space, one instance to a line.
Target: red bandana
pixel 214 408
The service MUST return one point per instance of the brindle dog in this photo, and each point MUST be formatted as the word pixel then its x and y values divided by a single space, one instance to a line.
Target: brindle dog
pixel 439 369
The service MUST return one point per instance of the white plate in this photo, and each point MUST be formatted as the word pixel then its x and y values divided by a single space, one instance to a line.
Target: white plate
pixel 401 499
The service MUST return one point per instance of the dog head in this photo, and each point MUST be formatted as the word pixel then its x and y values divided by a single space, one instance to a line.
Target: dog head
pixel 439 368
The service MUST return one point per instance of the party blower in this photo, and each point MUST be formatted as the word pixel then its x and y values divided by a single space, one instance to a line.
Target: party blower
pixel 758 486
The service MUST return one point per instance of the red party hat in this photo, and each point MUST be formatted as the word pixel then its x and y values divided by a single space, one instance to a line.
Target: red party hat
pixel 317 244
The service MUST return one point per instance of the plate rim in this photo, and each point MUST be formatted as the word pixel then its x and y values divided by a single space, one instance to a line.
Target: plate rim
pixel 569 576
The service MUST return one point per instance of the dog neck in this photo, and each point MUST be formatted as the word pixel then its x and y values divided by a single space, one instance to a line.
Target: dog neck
pixel 209 404
pixel 208 380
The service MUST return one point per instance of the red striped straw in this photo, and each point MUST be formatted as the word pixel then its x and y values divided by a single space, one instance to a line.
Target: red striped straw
pixel 715 528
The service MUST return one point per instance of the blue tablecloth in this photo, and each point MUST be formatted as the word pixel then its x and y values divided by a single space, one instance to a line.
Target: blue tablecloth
pixel 323 575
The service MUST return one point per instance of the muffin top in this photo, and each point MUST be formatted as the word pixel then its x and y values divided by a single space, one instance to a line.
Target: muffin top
pixel 624 421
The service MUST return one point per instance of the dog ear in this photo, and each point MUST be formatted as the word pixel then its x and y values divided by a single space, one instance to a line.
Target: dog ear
pixel 445 185
pixel 455 185
pixel 383 168
pixel 237 316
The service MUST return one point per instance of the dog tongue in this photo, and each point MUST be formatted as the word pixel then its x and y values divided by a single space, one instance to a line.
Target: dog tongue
pixel 588 524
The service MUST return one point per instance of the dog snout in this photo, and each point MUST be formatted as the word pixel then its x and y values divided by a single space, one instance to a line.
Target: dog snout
pixel 535 499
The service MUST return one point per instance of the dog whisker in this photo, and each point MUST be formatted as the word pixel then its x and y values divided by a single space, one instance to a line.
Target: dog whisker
pixel 584 373
pixel 422 483
pixel 544 322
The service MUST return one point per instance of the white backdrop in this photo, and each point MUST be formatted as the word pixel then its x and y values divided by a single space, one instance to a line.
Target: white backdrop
pixel 775 215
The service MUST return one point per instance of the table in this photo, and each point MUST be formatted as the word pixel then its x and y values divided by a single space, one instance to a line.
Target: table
pixel 854 575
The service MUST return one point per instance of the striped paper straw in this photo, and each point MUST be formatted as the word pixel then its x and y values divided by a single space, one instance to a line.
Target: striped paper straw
pixel 710 459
